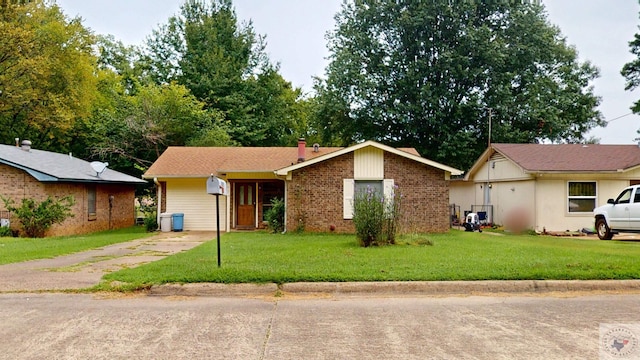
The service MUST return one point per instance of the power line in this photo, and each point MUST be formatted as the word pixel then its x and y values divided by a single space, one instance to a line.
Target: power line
pixel 619 117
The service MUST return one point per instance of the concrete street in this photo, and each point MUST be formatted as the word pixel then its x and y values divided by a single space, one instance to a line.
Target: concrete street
pixel 81 326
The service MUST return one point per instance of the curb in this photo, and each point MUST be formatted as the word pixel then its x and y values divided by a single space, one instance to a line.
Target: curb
pixel 461 287
pixel 398 288
pixel 213 289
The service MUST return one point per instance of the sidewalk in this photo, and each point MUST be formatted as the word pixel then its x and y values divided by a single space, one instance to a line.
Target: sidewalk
pixel 85 269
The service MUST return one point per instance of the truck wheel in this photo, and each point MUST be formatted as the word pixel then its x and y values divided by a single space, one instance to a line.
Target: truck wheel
pixel 604 233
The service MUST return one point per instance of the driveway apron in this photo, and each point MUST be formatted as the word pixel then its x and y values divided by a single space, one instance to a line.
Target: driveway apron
pixel 85 269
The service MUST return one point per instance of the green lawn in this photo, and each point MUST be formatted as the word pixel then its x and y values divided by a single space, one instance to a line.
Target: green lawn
pixel 260 257
pixel 22 249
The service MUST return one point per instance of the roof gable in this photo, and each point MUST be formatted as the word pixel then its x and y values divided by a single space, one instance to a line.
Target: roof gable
pixel 48 166
pixel 407 153
pixel 587 158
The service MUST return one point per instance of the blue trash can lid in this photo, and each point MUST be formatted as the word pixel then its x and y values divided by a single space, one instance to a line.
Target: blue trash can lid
pixel 178 214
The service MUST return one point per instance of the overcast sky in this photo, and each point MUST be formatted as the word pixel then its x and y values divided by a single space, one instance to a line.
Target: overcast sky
pixel 295 30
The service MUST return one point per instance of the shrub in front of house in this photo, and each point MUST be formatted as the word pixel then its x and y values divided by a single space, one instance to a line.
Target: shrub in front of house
pixel 150 221
pixel 37 217
pixel 147 206
pixel 275 215
pixel 375 217
pixel 393 213
pixel 5 231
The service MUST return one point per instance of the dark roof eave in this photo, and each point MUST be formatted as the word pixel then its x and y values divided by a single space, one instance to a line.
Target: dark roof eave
pixel 573 171
pixel 97 181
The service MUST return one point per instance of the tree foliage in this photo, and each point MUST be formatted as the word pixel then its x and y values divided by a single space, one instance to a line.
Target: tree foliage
pixel 429 74
pixel 224 65
pixel 631 72
pixel 134 129
pixel 46 74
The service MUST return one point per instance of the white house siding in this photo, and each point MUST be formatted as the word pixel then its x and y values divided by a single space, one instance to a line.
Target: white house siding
pixel 508 197
pixel 551 207
pixel 368 164
pixel 462 194
pixel 503 176
pixel 189 196
pixel 552 198
pixel 499 169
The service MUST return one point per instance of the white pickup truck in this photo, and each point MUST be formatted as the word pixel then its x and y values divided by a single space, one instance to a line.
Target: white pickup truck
pixel 619 215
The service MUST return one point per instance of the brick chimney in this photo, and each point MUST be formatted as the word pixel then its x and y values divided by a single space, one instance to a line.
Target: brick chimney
pixel 302 144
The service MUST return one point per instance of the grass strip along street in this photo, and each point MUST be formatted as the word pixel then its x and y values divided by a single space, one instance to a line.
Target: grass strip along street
pixel 14 250
pixel 259 257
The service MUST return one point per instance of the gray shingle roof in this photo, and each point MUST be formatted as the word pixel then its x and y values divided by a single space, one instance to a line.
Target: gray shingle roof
pixel 48 166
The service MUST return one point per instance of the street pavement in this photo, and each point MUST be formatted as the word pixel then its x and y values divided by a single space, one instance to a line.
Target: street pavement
pixel 112 326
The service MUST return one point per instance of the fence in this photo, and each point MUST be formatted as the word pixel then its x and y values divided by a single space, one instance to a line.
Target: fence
pixel 454 215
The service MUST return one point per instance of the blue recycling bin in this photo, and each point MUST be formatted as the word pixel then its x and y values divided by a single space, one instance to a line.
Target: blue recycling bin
pixel 178 219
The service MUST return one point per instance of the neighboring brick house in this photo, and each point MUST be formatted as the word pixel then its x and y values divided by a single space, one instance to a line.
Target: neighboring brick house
pixel 102 201
pixel 316 183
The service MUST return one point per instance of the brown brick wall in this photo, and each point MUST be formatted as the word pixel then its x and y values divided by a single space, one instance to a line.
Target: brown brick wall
pixel 17 184
pixel 425 194
pixel 314 195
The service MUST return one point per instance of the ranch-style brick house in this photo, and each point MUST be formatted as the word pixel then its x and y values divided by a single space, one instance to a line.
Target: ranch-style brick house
pixel 102 201
pixel 316 183
pixel 555 186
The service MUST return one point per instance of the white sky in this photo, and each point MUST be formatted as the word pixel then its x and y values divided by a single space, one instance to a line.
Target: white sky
pixel 295 30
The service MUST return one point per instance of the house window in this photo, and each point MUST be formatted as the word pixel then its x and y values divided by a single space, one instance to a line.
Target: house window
pixel 352 187
pixel 91 202
pixel 366 185
pixel 582 196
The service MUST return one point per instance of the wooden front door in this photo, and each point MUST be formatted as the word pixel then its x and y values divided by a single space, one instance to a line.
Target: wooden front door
pixel 246 205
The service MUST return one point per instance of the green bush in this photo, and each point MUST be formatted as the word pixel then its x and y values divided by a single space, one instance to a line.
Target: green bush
pixel 36 218
pixel 150 221
pixel 275 215
pixel 5 231
pixel 368 216
pixel 375 217
pixel 147 206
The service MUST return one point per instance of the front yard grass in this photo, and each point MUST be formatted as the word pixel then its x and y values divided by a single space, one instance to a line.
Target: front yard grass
pixel 259 257
pixel 14 250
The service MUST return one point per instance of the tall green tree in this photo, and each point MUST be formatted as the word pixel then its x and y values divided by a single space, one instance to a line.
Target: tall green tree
pixel 132 130
pixel 430 74
pixel 47 80
pixel 223 63
pixel 631 72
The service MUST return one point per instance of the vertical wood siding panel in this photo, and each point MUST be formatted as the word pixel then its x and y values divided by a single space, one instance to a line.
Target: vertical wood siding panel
pixel 369 164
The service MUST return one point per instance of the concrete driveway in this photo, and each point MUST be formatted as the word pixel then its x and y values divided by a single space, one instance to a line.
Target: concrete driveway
pixel 85 269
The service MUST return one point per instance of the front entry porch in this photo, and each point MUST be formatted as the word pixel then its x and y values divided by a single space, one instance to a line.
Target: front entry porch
pixel 251 199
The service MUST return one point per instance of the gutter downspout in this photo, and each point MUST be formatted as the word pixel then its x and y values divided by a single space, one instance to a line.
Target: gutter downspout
pixel 286 198
pixel 159 196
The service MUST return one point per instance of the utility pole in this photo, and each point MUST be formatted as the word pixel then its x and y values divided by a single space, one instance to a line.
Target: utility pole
pixel 489 127
pixel 487 189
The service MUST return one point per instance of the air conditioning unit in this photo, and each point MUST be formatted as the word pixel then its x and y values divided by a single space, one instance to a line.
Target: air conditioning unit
pixel 4 223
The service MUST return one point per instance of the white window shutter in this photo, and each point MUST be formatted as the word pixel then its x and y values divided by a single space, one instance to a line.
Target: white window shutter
pixel 348 189
pixel 387 186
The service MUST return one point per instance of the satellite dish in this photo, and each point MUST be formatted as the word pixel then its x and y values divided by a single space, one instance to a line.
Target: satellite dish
pixel 99 167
